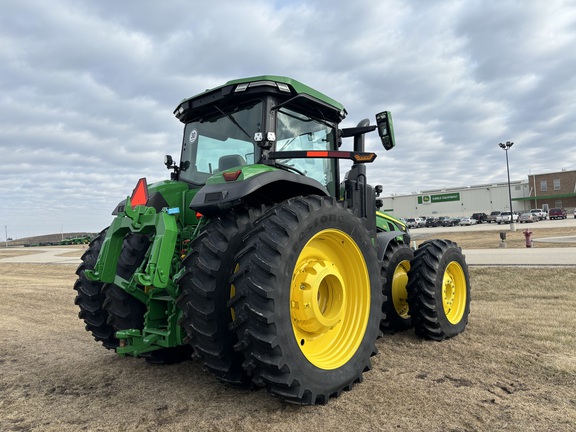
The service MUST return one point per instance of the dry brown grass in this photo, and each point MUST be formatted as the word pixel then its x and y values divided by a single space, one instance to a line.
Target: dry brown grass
pixel 514 368
pixel 8 252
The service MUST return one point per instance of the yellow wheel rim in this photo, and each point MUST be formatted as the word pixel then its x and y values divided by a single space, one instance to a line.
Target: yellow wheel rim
pixel 233 293
pixel 454 292
pixel 330 299
pixel 399 292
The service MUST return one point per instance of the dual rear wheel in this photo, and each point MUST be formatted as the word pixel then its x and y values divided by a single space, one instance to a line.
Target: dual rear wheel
pixel 301 312
pixel 428 289
pixel 439 290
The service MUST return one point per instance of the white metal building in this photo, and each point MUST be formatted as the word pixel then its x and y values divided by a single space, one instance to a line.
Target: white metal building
pixel 459 202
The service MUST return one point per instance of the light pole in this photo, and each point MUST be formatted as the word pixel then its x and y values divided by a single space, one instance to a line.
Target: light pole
pixel 506 147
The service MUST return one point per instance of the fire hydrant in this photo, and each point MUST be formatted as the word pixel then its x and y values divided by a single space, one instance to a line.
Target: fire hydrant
pixel 528 235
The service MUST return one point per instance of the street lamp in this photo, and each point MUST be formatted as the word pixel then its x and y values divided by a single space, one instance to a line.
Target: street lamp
pixel 506 147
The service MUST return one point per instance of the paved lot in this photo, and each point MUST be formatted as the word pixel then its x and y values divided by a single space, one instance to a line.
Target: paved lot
pixel 503 256
pixel 556 223
pixel 43 255
pixel 534 256
pixel 522 257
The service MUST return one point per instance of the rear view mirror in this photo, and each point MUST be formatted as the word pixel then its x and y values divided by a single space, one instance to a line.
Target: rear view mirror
pixel 386 129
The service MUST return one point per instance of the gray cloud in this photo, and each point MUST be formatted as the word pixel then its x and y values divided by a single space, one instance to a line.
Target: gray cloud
pixel 88 89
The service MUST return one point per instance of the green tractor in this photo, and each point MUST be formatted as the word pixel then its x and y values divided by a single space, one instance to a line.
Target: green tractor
pixel 258 260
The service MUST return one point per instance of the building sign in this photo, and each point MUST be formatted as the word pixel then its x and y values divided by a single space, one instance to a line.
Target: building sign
pixel 429 199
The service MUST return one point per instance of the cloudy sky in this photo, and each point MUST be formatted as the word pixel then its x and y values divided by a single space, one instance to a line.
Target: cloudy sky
pixel 87 89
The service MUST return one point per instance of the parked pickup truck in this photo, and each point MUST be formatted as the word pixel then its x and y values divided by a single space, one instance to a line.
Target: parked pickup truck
pixel 542 215
pixel 415 222
pixel 505 217
pixel 480 217
pixel 494 217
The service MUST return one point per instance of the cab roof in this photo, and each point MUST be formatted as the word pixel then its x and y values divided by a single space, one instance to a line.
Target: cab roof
pixel 280 84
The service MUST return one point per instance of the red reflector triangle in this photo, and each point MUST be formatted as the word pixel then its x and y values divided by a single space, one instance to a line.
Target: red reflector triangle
pixel 140 193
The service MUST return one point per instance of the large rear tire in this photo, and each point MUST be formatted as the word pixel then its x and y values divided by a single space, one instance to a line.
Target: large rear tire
pixel 206 291
pixel 90 297
pixel 308 300
pixel 395 268
pixel 439 290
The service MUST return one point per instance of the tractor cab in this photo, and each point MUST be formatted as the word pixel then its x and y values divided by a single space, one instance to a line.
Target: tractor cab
pixel 235 133
pixel 240 123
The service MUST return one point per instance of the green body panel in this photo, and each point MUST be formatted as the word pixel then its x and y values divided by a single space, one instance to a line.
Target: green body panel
pixel 141 220
pixel 178 195
pixel 247 172
pixel 385 222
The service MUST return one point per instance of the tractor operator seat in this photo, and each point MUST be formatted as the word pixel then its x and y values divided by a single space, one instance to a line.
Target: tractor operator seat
pixel 230 161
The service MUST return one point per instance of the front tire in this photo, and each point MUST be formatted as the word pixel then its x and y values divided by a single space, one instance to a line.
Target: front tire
pixel 439 290
pixel 308 300
pixel 124 310
pixel 395 268
pixel 90 297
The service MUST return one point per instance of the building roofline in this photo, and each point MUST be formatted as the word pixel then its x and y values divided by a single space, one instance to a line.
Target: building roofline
pixel 551 172
pixel 460 188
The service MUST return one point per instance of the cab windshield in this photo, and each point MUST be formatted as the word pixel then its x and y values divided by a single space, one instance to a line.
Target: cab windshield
pixel 220 141
pixel 295 131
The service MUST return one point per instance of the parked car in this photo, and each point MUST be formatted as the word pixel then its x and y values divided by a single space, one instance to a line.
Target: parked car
pixel 450 222
pixel 495 217
pixel 467 221
pixel 411 223
pixel 540 213
pixel 480 217
pixel 557 213
pixel 528 217
pixel 414 222
pixel 433 222
pixel 506 217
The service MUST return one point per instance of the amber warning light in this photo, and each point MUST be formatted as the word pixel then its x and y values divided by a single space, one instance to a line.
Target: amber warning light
pixel 140 193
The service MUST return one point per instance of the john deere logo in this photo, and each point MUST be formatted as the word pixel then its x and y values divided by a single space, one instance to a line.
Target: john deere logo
pixel 193 136
pixel 424 199
pixel 429 199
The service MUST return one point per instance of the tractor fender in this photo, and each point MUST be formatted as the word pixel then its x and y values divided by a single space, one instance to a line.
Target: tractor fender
pixel 275 186
pixel 384 238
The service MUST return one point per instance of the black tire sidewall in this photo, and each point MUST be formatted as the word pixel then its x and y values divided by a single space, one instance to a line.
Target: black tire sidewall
pixel 452 254
pixel 316 379
pixel 90 296
pixel 124 310
pixel 400 252
pixel 209 291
